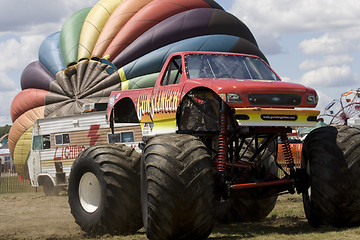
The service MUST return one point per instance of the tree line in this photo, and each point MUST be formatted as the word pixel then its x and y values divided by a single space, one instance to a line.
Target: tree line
pixel 4 130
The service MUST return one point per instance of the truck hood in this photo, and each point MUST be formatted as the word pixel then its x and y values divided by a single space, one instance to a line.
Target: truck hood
pixel 249 86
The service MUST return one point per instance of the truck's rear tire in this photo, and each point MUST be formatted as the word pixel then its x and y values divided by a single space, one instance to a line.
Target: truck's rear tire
pixel 177 193
pixel 252 206
pixel 104 190
pixel 348 140
pixel 330 189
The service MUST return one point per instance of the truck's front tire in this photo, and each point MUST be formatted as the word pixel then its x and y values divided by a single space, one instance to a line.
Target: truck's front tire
pixel 177 192
pixel 104 190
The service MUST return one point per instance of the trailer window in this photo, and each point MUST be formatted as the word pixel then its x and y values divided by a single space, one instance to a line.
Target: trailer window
pixel 127 137
pixel 122 137
pixel 114 138
pixel 61 139
pixel 41 142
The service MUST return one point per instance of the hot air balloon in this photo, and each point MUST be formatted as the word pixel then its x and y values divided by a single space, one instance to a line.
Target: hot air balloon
pixel 114 45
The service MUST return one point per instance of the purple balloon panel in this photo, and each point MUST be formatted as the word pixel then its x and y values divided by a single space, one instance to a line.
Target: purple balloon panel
pixel 36 76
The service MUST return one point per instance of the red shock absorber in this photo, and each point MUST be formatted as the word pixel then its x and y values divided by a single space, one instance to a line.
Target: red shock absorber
pixel 289 159
pixel 222 144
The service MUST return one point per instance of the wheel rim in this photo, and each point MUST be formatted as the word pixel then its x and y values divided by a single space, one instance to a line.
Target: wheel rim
pixel 89 192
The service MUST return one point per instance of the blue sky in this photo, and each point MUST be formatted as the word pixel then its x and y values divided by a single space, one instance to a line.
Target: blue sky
pixel 316 43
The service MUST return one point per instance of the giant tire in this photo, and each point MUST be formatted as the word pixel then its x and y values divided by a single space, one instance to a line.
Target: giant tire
pixel 253 205
pixel 177 191
pixel 104 190
pixel 348 140
pixel 326 202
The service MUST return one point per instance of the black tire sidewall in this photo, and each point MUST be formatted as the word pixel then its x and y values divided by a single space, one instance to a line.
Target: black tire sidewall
pixel 165 204
pixel 328 178
pixel 313 219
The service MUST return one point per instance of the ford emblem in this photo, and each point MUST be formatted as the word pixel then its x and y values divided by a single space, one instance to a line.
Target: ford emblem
pixel 275 99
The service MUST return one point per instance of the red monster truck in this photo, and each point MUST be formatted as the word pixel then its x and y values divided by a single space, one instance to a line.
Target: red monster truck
pixel 210 128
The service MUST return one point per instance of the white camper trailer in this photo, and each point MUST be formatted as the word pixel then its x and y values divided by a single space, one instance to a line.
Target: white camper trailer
pixel 56 143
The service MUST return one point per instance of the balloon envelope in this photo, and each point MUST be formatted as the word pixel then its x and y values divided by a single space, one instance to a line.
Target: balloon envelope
pixel 50 54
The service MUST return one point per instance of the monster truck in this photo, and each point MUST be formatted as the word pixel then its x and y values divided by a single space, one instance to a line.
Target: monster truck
pixel 210 126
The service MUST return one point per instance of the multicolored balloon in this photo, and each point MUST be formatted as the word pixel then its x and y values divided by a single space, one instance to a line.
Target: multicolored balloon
pixel 116 44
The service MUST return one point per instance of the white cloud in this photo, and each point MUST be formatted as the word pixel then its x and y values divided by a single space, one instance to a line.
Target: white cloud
pixel 19 15
pixel 335 76
pixel 269 19
pixel 19 53
pixel 324 100
pixel 287 16
pixel 331 60
pixel 6 98
pixel 324 45
pixel 7 84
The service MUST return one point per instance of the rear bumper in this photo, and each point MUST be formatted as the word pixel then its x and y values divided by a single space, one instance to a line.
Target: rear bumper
pixel 276 117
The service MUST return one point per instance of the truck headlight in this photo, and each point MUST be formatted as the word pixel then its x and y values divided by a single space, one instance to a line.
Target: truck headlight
pixel 230 97
pixel 312 99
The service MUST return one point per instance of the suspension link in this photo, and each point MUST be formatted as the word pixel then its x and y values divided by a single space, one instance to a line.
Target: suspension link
pixel 289 159
pixel 223 139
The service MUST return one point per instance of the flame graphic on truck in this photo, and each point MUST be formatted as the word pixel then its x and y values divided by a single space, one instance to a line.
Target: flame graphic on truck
pixel 161 102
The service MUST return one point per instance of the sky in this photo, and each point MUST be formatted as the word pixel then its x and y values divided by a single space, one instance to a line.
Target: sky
pixel 315 43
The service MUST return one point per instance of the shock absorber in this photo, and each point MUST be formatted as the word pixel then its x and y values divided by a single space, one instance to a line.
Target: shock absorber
pixel 223 139
pixel 289 159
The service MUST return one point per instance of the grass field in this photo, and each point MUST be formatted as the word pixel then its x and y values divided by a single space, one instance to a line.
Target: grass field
pixel 286 221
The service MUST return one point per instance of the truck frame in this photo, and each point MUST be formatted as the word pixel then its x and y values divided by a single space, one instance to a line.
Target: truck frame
pixel 210 129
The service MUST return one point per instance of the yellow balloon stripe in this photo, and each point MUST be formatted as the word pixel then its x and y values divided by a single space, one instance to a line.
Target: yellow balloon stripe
pixel 122 75
pixel 125 85
pixel 93 25
pixel 23 146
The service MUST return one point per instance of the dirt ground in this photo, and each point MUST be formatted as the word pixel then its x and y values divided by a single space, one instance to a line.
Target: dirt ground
pixel 36 216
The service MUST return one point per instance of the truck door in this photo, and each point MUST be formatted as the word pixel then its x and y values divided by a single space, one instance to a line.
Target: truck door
pixel 166 96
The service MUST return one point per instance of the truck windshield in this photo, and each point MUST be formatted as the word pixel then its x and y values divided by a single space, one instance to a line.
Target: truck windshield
pixel 228 66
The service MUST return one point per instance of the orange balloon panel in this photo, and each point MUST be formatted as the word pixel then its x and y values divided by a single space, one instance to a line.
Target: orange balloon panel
pixel 147 17
pixel 116 21
pixel 23 123
pixel 26 100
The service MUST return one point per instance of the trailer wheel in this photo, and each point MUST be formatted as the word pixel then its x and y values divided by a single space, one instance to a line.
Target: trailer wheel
pixel 326 199
pixel 252 205
pixel 104 190
pixel 177 193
